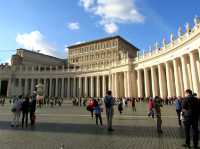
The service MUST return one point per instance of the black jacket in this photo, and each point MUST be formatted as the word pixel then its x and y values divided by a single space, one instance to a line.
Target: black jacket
pixel 191 108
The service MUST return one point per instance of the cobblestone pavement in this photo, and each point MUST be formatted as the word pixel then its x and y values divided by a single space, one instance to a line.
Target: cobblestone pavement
pixel 73 127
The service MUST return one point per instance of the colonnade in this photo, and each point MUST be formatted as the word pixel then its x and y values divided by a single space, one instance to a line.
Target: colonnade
pixel 171 78
pixel 74 86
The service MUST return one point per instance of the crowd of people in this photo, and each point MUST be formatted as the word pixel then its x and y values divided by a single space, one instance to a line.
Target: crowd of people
pixel 187 108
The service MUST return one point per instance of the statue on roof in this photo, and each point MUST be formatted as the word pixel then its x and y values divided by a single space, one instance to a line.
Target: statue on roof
pixel 164 42
pixel 180 33
pixel 196 20
pixel 187 28
pixel 171 37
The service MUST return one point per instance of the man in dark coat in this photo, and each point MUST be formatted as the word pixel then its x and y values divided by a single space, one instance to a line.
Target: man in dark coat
pixel 25 109
pixel 32 109
pixel 191 114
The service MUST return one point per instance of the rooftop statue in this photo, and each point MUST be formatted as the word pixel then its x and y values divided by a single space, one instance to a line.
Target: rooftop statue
pixel 164 42
pixel 187 27
pixel 180 33
pixel 196 20
pixel 171 37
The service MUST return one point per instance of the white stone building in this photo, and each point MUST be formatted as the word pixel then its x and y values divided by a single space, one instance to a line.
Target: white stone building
pixel 110 64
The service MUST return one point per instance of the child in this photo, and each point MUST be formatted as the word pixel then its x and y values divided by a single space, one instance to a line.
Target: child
pixel 97 111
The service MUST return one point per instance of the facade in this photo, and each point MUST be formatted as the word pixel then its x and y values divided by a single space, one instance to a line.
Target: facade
pixel 111 64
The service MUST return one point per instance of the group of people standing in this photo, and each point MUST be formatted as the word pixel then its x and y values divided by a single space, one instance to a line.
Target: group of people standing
pixel 95 106
pixel 25 106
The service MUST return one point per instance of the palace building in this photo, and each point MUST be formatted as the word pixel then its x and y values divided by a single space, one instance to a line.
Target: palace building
pixel 111 63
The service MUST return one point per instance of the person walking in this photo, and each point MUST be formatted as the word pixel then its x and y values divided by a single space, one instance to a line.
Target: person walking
pixel 178 103
pixel 32 109
pixel 109 102
pixel 90 106
pixel 191 115
pixel 158 105
pixel 120 106
pixel 25 109
pixel 97 111
pixel 133 105
pixel 151 107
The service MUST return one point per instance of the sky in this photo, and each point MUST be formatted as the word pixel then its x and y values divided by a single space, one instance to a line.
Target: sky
pixel 50 26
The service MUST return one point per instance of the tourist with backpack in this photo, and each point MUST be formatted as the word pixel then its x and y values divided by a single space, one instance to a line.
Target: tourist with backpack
pixel 178 103
pixel 97 111
pixel 109 103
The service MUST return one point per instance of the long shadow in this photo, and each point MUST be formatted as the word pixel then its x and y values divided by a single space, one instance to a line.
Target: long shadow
pixel 129 131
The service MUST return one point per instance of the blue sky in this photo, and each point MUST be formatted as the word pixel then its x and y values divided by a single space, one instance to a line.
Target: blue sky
pixel 49 26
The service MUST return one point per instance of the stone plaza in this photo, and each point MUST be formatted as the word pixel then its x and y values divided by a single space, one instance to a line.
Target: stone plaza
pixel 74 127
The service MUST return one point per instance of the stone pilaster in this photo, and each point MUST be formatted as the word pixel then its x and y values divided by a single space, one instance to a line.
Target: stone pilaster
pixel 98 87
pixel 146 82
pixel 195 79
pixel 154 79
pixel 104 85
pixel 62 87
pixel 162 81
pixel 185 73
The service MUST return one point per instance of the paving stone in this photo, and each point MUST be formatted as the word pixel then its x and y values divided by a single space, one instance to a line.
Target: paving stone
pixel 74 127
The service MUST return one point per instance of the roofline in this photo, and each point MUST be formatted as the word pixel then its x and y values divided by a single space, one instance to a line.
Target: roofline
pixel 103 39
pixel 40 54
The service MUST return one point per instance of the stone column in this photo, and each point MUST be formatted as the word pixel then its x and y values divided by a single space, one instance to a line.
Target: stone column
pixel 162 81
pixel 98 87
pixel 113 84
pixel 169 80
pixel 185 73
pixel 9 88
pixel 139 83
pixel 134 86
pixel 104 85
pixel 110 82
pixel 62 87
pixel 86 87
pixel 26 87
pixel 146 82
pixel 56 88
pixel 80 86
pixel 45 87
pixel 50 87
pixel 176 76
pixel 68 87
pixel 20 86
pixel 74 87
pixel 154 81
pixel 92 86
pixel 32 86
pixel 195 79
pixel 125 84
pixel 128 84
pixel 116 85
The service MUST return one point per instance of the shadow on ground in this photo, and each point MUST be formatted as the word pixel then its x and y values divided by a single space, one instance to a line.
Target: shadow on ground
pixel 129 131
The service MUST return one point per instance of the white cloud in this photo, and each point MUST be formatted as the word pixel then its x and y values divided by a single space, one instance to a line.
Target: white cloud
pixel 113 12
pixel 110 28
pixel 35 41
pixel 86 3
pixel 73 26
